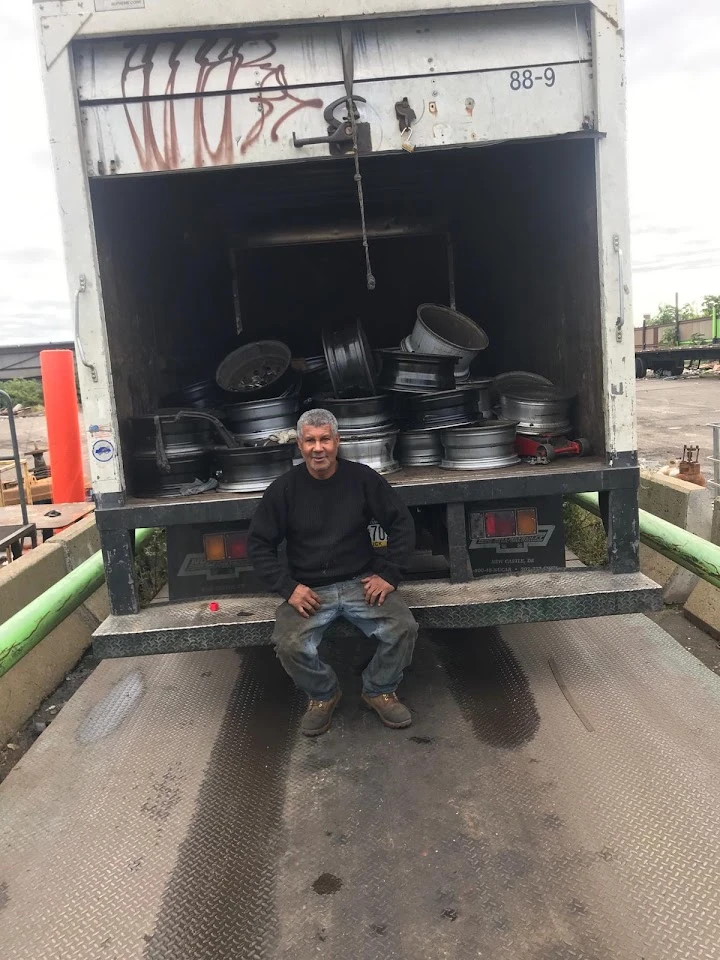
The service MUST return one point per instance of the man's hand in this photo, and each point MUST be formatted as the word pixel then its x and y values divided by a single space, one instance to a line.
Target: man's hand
pixel 376 589
pixel 304 600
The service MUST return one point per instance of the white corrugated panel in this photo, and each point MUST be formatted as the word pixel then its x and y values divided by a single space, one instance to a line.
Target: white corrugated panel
pixel 304 56
pixel 154 104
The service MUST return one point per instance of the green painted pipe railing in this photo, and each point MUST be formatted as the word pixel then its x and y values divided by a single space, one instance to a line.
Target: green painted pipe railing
pixel 699 556
pixel 34 622
pixel 21 632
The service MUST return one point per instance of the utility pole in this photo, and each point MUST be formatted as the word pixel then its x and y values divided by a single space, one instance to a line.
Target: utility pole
pixel 677 318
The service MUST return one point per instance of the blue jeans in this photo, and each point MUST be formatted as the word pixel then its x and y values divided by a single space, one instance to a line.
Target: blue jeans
pixel 296 639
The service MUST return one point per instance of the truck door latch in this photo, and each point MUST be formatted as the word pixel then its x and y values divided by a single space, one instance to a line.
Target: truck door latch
pixel 406 117
pixel 405 114
pixel 340 133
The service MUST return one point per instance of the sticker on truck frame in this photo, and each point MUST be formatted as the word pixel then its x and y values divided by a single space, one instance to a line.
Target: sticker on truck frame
pixel 103 450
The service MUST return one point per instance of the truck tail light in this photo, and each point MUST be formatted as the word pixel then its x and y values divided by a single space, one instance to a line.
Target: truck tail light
pixel 500 523
pixel 236 545
pixel 214 544
pixel 527 522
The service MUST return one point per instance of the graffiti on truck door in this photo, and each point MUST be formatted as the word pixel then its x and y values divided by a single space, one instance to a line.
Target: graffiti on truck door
pixel 160 150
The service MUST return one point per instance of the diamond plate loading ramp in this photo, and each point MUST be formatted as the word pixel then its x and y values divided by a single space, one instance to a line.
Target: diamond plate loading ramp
pixel 556 797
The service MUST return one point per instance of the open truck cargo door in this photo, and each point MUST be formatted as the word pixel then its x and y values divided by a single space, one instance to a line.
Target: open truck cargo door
pixel 253 96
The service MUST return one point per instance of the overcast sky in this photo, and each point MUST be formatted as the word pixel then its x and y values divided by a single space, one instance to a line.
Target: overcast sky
pixel 674 150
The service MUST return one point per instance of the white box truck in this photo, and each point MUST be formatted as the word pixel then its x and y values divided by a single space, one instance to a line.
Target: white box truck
pixel 206 163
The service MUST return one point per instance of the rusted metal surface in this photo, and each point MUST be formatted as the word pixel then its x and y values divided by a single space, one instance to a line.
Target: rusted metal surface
pixel 61 514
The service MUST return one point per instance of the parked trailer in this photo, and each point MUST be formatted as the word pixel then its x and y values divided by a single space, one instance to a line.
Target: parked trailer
pixel 691 340
pixel 203 207
pixel 670 361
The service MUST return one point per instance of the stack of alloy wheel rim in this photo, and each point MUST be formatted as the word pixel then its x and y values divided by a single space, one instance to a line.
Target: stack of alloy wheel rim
pixel 482 447
pixel 170 449
pixel 416 372
pixel 441 330
pixel 256 421
pixel 359 416
pixel 419 448
pixel 481 390
pixel 251 469
pixel 366 428
pixel 265 430
pixel 376 452
pixel 514 380
pixel 539 409
pixel 200 395
pixel 423 416
pixel 315 377
pixel 447 408
pixel 257 370
pixel 349 360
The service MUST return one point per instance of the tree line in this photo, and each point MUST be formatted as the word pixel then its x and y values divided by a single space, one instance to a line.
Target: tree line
pixel 689 311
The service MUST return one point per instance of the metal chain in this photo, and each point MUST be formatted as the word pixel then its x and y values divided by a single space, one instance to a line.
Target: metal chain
pixel 369 278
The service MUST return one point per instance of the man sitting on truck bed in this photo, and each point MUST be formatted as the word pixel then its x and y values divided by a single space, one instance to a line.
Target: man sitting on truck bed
pixel 322 509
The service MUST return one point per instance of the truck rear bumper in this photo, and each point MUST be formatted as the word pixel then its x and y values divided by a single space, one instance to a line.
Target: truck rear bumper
pixel 243 621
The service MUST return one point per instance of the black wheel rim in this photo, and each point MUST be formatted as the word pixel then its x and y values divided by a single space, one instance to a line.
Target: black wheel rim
pixel 349 361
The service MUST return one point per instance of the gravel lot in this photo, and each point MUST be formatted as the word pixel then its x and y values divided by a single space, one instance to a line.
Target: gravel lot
pixel 31 432
pixel 674 412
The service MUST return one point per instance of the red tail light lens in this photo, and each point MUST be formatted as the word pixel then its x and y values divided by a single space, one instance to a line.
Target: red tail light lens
pixel 236 544
pixel 500 523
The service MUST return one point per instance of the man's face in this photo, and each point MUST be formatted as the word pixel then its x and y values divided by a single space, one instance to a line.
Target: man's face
pixel 319 449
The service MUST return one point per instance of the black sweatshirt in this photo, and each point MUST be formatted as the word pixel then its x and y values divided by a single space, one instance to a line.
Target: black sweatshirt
pixel 325 525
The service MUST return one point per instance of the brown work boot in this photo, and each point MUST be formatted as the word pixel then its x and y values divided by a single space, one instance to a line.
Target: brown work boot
pixel 318 716
pixel 392 713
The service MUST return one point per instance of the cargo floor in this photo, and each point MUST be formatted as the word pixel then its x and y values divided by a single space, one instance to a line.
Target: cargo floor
pixel 417 486
pixel 556 797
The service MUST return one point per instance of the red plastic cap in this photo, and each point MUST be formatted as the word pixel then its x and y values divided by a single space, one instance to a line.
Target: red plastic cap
pixel 213 606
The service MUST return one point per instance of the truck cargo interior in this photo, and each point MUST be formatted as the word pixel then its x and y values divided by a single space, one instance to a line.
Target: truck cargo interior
pixel 194 264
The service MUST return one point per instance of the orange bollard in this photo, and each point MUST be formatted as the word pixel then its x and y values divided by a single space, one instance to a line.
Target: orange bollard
pixel 63 427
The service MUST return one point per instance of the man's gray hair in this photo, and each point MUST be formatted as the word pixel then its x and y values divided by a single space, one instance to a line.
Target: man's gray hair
pixel 317 418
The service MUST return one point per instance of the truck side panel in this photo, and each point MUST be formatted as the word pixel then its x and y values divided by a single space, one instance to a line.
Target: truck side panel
pixel 106 475
pixel 614 244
